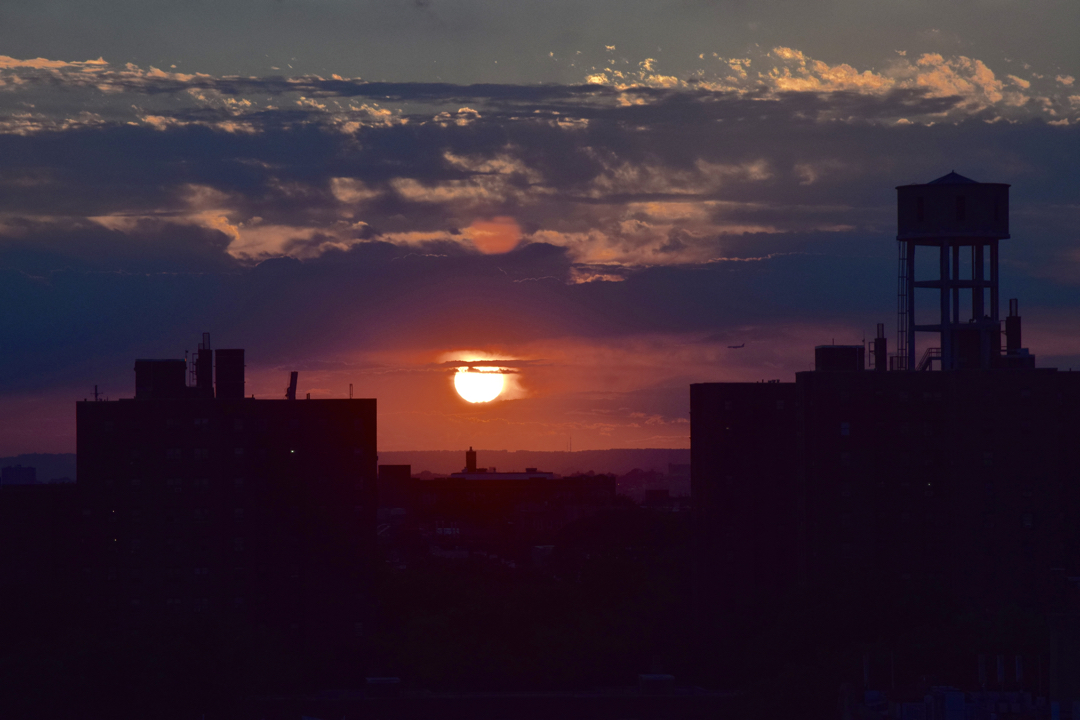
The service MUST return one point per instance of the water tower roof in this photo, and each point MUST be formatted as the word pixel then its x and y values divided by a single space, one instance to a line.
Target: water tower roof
pixel 953 179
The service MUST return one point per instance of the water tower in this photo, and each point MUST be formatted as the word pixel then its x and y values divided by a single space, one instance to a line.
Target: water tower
pixel 959 217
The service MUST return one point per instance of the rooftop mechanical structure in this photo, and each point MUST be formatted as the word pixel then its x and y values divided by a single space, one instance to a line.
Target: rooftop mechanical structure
pixel 958 217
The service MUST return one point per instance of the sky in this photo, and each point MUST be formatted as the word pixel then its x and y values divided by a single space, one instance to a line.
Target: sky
pixel 599 197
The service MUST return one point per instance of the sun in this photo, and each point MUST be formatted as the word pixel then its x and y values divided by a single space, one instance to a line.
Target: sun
pixel 479 385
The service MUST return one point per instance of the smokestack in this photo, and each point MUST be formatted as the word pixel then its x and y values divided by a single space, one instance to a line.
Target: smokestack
pixel 881 349
pixel 290 392
pixel 204 369
pixel 470 460
pixel 1012 327
pixel 230 374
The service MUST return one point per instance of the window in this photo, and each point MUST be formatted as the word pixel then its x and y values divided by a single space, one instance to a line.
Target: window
pixel 108 426
pixel 845 429
pixel 1027 520
pixel 175 484
pixel 202 453
pixel 173 454
pixel 202 423
pixel 727 405
pixel 201 482
pixel 845 459
pixel 988 459
pixel 238 452
pixel 238 544
pixel 202 571
pixel 779 404
pixel 238 424
pixel 238 513
pixel 238 482
pixel 201 515
pixel 135 482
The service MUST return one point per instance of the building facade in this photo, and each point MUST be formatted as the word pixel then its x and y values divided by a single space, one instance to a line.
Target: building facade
pixel 955 474
pixel 190 502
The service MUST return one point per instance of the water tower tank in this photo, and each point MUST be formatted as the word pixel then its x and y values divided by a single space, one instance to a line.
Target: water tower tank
pixel 957 216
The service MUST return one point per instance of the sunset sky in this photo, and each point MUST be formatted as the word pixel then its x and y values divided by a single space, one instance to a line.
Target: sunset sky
pixel 599 196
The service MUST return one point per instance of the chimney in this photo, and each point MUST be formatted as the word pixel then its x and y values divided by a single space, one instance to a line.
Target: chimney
pixel 204 369
pixel 1012 328
pixel 470 460
pixel 881 349
pixel 230 374
pixel 290 392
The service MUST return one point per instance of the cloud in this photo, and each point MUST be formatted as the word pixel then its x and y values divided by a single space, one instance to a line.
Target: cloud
pixel 374 226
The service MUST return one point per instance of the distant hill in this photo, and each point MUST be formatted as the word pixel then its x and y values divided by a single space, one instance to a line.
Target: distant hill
pixel 50 467
pixel 618 462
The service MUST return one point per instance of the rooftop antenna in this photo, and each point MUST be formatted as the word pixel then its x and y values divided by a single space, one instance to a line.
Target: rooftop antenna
pixel 350 391
pixel 95 394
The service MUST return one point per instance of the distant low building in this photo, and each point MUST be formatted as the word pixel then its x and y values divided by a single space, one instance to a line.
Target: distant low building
pixel 493 514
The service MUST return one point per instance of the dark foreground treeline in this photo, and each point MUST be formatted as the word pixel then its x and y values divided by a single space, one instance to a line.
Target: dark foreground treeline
pixel 614 601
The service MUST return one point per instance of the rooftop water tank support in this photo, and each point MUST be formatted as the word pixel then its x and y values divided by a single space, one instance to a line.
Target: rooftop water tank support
pixel 948 214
